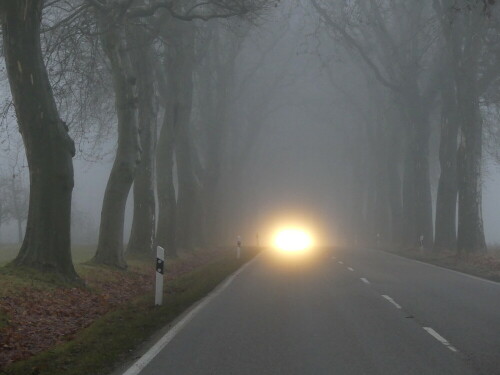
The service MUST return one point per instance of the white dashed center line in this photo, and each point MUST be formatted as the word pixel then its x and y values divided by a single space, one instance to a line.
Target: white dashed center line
pixel 440 338
pixel 341 262
pixel 350 269
pixel 333 258
pixel 392 301
pixel 365 280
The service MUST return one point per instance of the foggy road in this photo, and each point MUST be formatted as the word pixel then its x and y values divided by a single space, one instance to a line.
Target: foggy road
pixel 341 312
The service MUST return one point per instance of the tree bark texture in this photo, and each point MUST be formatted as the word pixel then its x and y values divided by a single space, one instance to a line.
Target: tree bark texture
pixel 142 236
pixel 215 150
pixel 49 149
pixel 395 200
pixel 470 221
pixel 166 236
pixel 181 74
pixel 110 249
pixel 417 200
pixel 446 203
pixel 470 236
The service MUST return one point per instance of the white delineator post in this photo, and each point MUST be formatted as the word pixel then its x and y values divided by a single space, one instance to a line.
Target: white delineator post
pixel 238 248
pixel 160 268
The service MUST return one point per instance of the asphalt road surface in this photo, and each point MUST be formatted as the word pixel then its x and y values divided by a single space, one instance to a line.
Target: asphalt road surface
pixel 341 312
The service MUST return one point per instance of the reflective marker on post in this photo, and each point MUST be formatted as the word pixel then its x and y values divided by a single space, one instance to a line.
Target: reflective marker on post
pixel 160 266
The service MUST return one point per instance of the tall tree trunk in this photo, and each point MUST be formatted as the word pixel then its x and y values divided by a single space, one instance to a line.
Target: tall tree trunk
pixel 1 214
pixel 181 74
pixel 142 236
pixel 198 222
pixel 215 151
pixel 357 201
pixel 16 209
pixel 370 215
pixel 409 218
pixel 395 200
pixel 417 199
pixel 470 237
pixel 382 221
pixel 470 221
pixel 19 230
pixel 423 196
pixel 166 236
pixel 128 154
pixel 49 149
pixel 446 203
pixel 188 190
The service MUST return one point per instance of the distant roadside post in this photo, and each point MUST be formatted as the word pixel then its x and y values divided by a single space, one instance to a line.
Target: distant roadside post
pixel 238 247
pixel 160 269
pixel 421 242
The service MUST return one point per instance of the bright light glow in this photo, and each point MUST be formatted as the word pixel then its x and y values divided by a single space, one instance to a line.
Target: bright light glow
pixel 293 240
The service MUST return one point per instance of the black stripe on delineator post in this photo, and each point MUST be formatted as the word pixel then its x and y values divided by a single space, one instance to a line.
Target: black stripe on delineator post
pixel 160 266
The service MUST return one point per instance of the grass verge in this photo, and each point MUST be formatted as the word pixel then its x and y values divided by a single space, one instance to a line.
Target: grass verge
pixel 80 253
pixel 485 265
pixel 110 339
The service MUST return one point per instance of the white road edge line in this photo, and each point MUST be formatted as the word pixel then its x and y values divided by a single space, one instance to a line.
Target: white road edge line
pixel 341 262
pixel 392 301
pixel 142 362
pixel 440 338
pixel 365 280
pixel 350 269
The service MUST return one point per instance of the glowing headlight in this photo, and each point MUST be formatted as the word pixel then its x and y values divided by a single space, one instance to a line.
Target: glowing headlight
pixel 293 240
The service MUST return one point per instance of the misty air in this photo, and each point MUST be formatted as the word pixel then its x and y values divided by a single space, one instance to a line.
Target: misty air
pixel 249 187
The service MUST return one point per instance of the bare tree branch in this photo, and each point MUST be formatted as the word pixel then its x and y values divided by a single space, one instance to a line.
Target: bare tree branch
pixel 354 43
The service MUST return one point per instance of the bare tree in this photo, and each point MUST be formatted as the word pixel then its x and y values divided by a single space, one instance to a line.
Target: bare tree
pixel 113 34
pixel 466 28
pixel 49 148
pixel 114 19
pixel 403 44
pixel 142 237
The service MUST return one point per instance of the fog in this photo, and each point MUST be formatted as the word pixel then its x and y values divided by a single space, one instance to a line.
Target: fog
pixel 338 116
